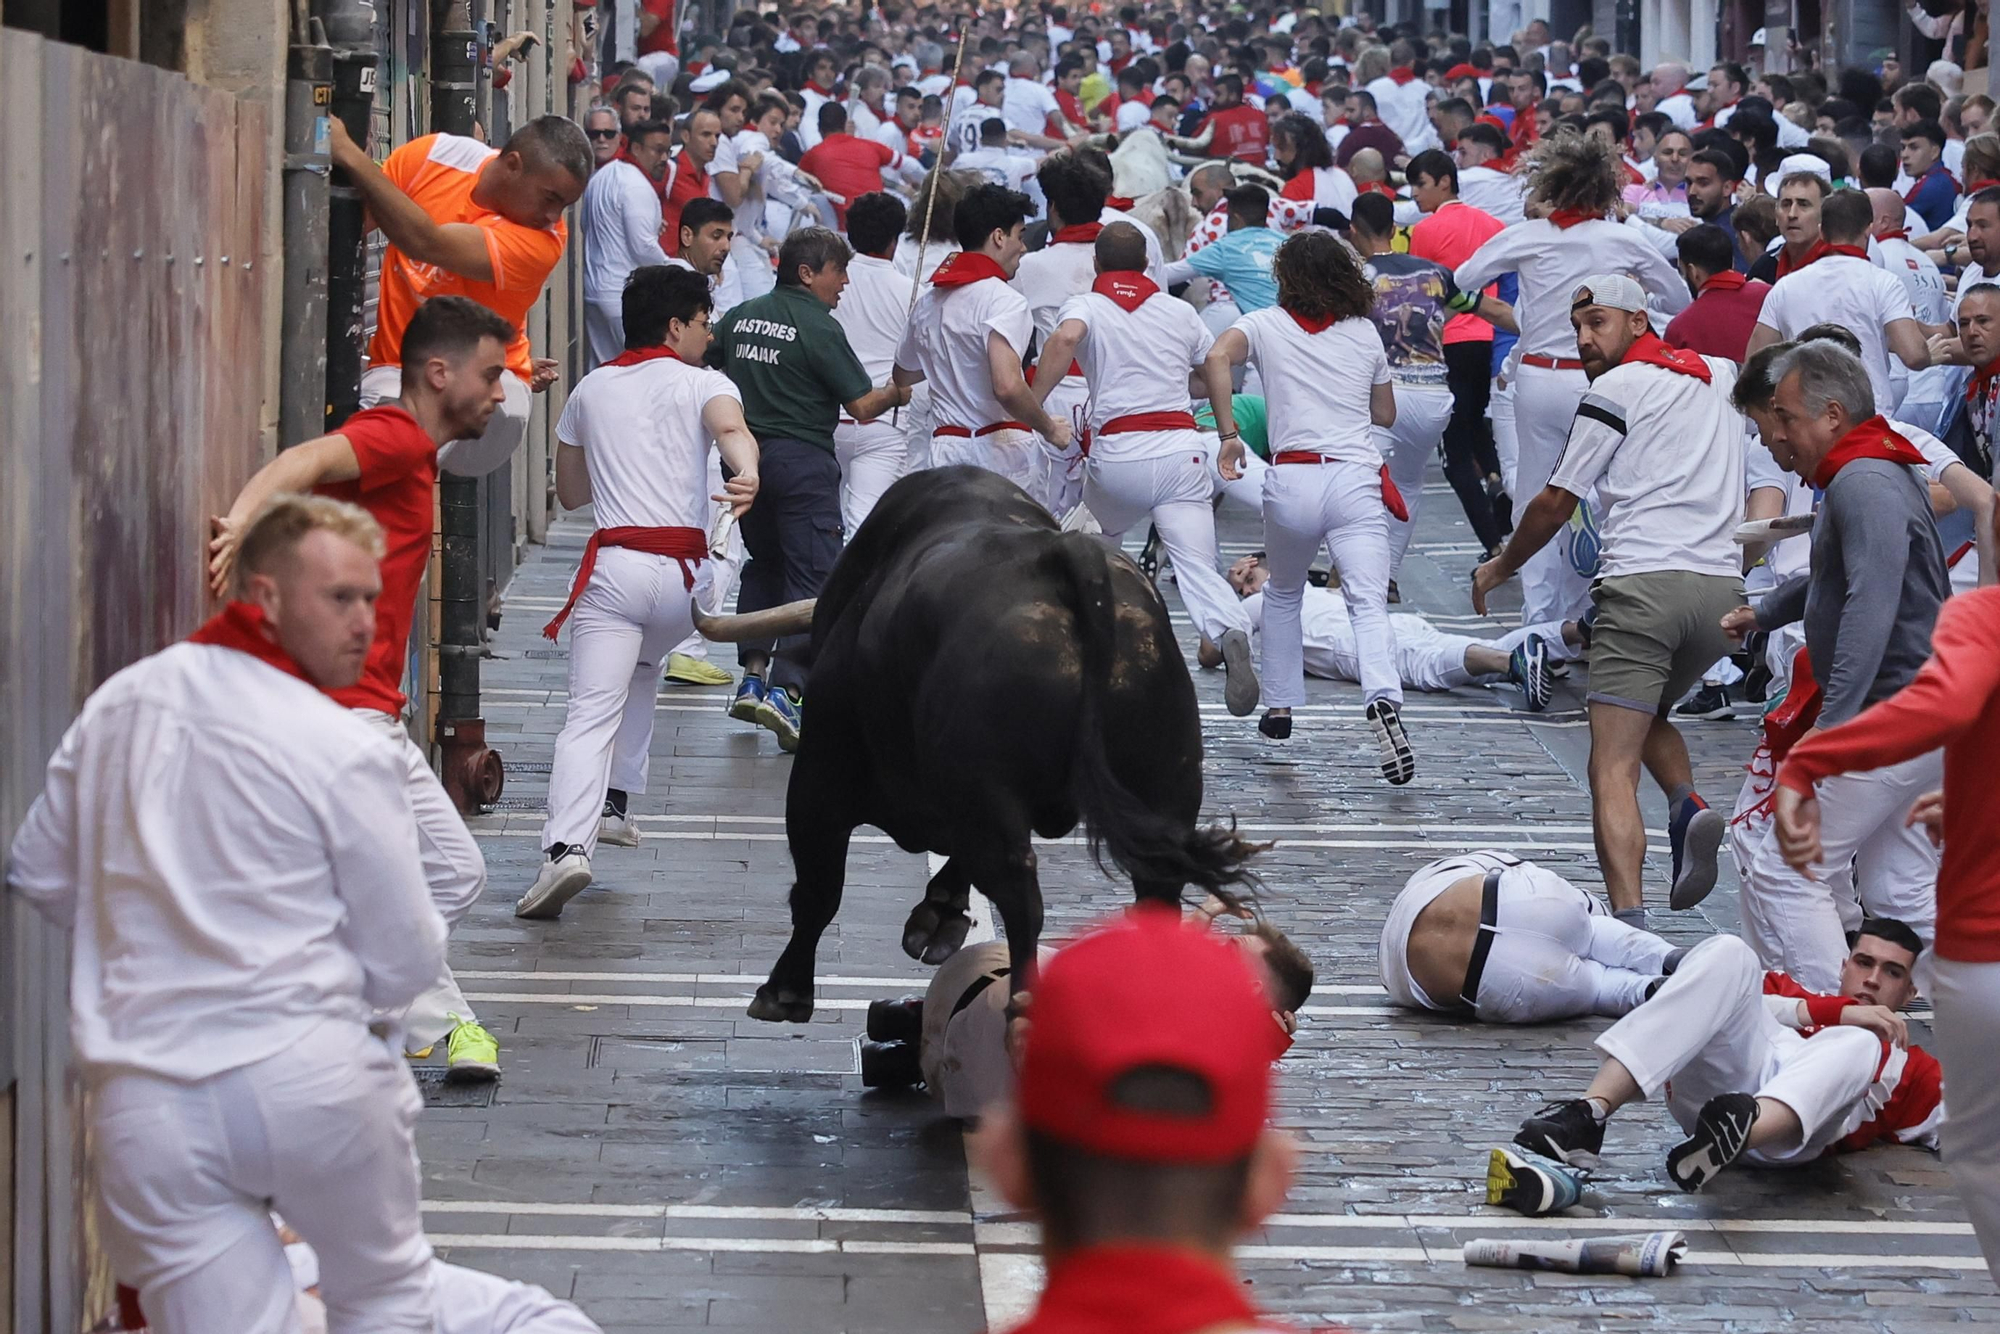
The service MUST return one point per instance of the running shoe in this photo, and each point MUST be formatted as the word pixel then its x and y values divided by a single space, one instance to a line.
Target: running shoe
pixel 1529 1188
pixel 1568 1132
pixel 1395 594
pixel 780 712
pixel 565 874
pixel 617 827
pixel 1721 1133
pixel 684 669
pixel 749 700
pixel 1240 689
pixel 1277 726
pixel 1696 836
pixel 1711 703
pixel 1528 668
pixel 472 1055
pixel 1399 762
pixel 1149 555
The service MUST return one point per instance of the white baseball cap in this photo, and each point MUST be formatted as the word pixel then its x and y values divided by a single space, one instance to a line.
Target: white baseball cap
pixel 1805 162
pixel 1612 290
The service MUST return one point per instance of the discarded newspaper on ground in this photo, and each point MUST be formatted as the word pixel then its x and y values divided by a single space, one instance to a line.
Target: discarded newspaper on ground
pixel 1652 1255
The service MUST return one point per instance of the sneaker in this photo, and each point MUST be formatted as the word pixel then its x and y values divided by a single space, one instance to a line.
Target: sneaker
pixel 1502 503
pixel 1149 555
pixel 1399 762
pixel 1240 690
pixel 617 828
pixel 1568 1132
pixel 684 669
pixel 1277 726
pixel 1721 1133
pixel 896 1020
pixel 890 1065
pixel 1696 835
pixel 565 874
pixel 1529 1188
pixel 749 700
pixel 472 1054
pixel 1709 702
pixel 1528 668
pixel 780 713
pixel 1395 594
pixel 1757 679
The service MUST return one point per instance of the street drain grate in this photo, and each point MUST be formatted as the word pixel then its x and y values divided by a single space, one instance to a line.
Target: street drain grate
pixel 440 1092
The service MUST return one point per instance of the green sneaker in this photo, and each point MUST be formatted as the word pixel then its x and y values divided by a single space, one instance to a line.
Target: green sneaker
pixel 471 1053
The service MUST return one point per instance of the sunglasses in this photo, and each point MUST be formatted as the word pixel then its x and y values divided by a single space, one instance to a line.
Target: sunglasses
pixel 603 134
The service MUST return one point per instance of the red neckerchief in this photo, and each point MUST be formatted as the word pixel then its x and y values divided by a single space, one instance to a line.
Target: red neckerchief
pixel 1123 203
pixel 1633 176
pixel 1984 183
pixel 1899 234
pixel 1374 188
pixel 241 626
pixel 812 87
pixel 1982 380
pixel 1402 74
pixel 632 356
pixel 1313 86
pixel 964 267
pixel 1816 252
pixel 1872 439
pixel 1648 350
pixel 1566 218
pixel 1709 124
pixel 1312 324
pixel 1071 109
pixel 1138 1289
pixel 624 155
pixel 1127 290
pixel 1082 233
pixel 1726 281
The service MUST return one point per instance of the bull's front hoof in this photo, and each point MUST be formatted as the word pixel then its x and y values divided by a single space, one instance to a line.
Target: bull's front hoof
pixel 777 1005
pixel 932 936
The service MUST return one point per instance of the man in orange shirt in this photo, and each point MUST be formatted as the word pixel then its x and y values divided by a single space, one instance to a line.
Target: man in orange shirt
pixel 463 219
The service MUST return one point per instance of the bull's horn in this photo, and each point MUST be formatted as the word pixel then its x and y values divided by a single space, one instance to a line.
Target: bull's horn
pixel 794 618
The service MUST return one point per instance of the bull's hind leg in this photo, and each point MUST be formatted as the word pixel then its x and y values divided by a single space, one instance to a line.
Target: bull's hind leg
pixel 818 840
pixel 937 926
pixel 1009 876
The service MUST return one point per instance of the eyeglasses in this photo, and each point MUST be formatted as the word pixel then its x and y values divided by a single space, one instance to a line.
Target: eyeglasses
pixel 602 134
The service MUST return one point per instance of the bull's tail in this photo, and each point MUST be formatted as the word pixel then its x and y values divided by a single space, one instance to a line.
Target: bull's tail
pixel 1150 846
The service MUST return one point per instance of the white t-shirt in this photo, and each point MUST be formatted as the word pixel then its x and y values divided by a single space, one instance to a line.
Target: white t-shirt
pixel 1664 453
pixel 1155 258
pixel 1680 110
pixel 1495 192
pixel 939 248
pixel 1921 279
pixel 873 311
pixel 641 434
pixel 729 155
pixel 1136 362
pixel 1969 277
pixel 946 341
pixel 1318 386
pixel 1851 292
pixel 998 165
pixel 1051 276
pixel 1132 116
pixel 808 131
pixel 620 219
pixel 1552 261
pixel 968 124
pixel 1027 105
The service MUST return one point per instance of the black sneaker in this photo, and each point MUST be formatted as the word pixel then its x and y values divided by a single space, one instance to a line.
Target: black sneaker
pixel 1149 555
pixel 1503 504
pixel 1277 726
pixel 1568 1132
pixel 1395 594
pixel 890 1065
pixel 1399 762
pixel 1695 835
pixel 1756 685
pixel 1720 1135
pixel 1709 702
pixel 896 1020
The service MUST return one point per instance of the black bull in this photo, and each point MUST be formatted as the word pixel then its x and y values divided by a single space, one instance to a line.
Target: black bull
pixel 979 677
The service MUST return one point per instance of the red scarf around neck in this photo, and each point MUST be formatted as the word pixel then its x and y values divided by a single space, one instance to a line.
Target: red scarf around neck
pixel 1138 1289
pixel 1312 324
pixel 1373 188
pixel 812 87
pixel 1126 289
pixel 632 356
pixel 1899 234
pixel 1402 74
pixel 1984 183
pixel 241 626
pixel 1982 381
pixel 1649 350
pixel 1816 252
pixel 1083 233
pixel 965 267
pixel 1566 218
pixel 1122 203
pixel 1872 439
pixel 1729 280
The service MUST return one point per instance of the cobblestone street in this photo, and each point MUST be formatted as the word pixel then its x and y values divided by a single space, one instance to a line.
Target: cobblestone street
pixel 667 1162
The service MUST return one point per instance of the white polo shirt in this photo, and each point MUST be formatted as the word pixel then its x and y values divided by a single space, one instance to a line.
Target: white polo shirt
pixel 641 434
pixel 1553 261
pixel 1920 276
pixel 1136 362
pixel 1851 292
pixel 620 218
pixel 1495 192
pixel 1664 453
pixel 1318 386
pixel 1027 105
pixel 946 343
pixel 873 312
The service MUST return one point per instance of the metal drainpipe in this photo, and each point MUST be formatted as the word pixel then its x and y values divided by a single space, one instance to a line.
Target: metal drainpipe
pixel 471 772
pixel 308 93
pixel 350 28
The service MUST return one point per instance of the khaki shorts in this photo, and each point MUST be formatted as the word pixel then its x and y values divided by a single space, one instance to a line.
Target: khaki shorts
pixel 1656 633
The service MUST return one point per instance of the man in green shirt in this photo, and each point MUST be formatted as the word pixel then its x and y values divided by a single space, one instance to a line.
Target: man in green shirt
pixel 792 362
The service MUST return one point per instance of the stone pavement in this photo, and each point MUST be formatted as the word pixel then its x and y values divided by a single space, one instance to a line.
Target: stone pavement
pixel 667 1162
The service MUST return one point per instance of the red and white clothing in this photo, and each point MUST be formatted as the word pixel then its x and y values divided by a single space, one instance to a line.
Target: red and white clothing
pixel 1721 1025
pixel 1047 279
pixel 946 342
pixel 620 220
pixel 1920 276
pixel 1159 1289
pixel 1321 187
pixel 1403 102
pixel 1849 291
pixel 638 421
pixel 873 313
pixel 1318 387
pixel 1138 349
pixel 1155 257
pixel 1490 190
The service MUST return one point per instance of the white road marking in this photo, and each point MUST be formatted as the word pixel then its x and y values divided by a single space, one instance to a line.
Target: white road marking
pixel 1437 847
pixel 642 1000
pixel 756 1213
pixel 506 1241
pixel 691 979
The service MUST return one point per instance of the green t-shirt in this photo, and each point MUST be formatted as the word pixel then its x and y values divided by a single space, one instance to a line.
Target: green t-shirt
pixel 1251 423
pixel 792 362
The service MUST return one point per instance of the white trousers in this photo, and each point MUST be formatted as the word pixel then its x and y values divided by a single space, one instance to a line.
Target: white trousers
pixel 1559 954
pixel 1174 490
pixel 453 868
pixel 1544 406
pixel 1062 476
pixel 604 329
pixel 189 1174
pixel 1338 505
pixel 1246 493
pixel 1408 447
pixel 635 608
pixel 470 1301
pixel 1426 657
pixel 1506 439
pixel 1016 455
pixel 1869 856
pixel 1967 1024
pixel 915 419
pixel 505 429
pixel 871 457
pixel 754 273
pixel 1709 1032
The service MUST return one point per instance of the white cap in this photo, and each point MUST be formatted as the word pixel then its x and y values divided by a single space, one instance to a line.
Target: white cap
pixel 1612 290
pixel 713 79
pixel 1805 162
pixel 1757 37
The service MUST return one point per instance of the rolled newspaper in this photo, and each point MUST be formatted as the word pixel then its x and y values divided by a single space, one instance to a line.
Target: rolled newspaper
pixel 1652 1255
pixel 1773 530
pixel 718 536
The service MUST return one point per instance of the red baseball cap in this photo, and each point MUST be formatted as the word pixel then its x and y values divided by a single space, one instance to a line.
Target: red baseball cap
pixel 1148 991
pixel 1461 71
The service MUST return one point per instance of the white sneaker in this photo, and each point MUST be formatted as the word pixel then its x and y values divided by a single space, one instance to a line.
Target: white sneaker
pixel 562 879
pixel 620 831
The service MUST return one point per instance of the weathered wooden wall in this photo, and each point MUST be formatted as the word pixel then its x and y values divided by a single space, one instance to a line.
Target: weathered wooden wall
pixel 131 313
